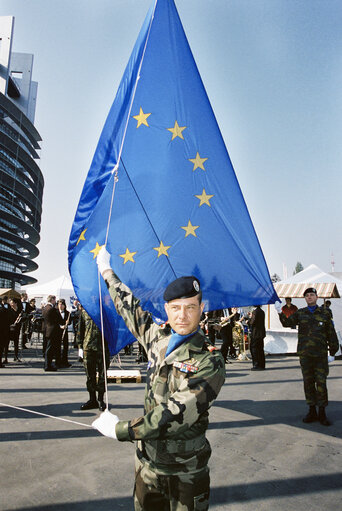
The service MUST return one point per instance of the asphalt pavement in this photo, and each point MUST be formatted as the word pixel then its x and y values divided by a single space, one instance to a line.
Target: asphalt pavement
pixel 264 457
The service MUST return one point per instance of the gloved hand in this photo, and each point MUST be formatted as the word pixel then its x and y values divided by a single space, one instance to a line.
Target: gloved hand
pixel 106 423
pixel 80 353
pixel 103 260
pixel 277 307
pixel 331 358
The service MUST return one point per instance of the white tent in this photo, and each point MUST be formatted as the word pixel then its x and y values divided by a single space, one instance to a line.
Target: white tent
pixel 284 340
pixel 60 287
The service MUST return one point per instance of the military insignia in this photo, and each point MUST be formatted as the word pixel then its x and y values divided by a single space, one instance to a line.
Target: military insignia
pixel 196 286
pixel 185 368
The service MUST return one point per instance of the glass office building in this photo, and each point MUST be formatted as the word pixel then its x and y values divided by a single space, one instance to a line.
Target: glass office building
pixel 21 181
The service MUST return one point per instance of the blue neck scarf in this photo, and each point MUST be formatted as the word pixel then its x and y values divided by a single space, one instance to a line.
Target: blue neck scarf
pixel 176 340
pixel 312 309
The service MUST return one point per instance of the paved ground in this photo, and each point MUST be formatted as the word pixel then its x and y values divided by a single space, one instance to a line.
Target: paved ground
pixel 264 457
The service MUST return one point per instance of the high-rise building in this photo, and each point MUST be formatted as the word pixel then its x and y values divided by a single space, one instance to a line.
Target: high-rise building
pixel 21 181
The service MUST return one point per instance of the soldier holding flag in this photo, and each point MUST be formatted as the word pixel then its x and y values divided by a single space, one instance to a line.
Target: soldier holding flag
pixel 185 374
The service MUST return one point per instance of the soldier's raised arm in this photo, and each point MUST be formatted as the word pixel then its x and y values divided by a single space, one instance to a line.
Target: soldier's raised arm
pixel 139 322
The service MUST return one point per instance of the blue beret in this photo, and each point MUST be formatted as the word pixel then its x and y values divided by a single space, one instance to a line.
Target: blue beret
pixel 310 290
pixel 184 287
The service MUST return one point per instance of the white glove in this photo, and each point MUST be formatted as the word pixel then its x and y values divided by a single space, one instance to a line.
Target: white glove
pixel 330 359
pixel 106 423
pixel 103 260
pixel 80 353
pixel 277 307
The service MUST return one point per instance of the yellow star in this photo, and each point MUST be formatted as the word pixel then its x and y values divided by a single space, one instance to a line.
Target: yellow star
pixel 198 162
pixel 141 118
pixel 81 238
pixel 204 198
pixel 128 256
pixel 96 250
pixel 190 229
pixel 177 131
pixel 162 249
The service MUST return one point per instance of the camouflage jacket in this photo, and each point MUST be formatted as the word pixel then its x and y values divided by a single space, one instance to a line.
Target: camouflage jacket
pixel 88 335
pixel 316 332
pixel 179 388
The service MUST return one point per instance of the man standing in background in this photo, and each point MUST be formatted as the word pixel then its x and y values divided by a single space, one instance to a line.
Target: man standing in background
pixel 256 322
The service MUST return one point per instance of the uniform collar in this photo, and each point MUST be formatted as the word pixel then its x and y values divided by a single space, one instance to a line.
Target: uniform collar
pixel 195 343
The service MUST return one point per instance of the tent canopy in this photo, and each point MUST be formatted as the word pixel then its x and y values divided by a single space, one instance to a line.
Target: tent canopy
pixel 324 290
pixel 312 276
pixel 11 293
pixel 61 287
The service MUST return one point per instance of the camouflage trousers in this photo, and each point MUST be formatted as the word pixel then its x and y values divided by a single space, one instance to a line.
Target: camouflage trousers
pixel 93 363
pixel 315 371
pixel 177 492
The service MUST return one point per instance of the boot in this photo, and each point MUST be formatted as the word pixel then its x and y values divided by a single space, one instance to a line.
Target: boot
pixel 322 417
pixel 102 404
pixel 91 404
pixel 311 416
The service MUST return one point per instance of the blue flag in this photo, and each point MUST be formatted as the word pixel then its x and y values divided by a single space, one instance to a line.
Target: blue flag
pixel 161 191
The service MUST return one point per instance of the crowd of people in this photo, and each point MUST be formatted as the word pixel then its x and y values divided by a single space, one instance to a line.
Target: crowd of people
pixel 20 318
pixel 237 330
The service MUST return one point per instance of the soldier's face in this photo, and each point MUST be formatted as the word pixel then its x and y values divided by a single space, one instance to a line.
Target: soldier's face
pixel 311 299
pixel 184 314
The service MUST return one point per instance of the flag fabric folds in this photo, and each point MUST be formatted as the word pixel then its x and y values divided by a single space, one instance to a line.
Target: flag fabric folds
pixel 177 207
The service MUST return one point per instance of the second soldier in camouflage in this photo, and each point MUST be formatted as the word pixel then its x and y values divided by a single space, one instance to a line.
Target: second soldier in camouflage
pixel 316 335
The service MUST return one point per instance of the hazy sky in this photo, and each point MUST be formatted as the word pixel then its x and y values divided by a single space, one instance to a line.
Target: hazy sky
pixel 273 72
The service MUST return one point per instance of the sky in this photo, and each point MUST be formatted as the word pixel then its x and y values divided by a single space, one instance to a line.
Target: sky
pixel 272 70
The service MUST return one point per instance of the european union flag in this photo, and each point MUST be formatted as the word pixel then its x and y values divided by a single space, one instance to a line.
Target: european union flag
pixel 161 191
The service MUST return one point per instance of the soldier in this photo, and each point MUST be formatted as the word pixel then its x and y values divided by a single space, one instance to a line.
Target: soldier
pixel 185 374
pixel 89 340
pixel 316 333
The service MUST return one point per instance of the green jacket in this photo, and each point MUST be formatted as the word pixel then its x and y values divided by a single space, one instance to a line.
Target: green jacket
pixel 179 388
pixel 316 332
pixel 88 335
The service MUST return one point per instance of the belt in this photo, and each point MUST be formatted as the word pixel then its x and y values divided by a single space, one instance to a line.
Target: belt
pixel 177 446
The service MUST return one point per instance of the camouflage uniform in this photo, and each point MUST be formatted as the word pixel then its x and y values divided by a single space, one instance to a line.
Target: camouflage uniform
pixel 172 451
pixel 89 338
pixel 316 334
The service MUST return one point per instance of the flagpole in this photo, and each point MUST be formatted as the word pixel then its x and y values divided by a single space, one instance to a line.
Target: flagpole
pixel 115 180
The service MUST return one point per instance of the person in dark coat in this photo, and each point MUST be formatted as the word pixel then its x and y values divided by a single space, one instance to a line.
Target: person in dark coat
pixel 5 321
pixel 256 323
pixel 26 319
pixel 63 342
pixel 15 314
pixel 52 322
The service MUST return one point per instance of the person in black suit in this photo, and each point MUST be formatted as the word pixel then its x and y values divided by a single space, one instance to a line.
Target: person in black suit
pixel 15 312
pixel 52 322
pixel 256 323
pixel 63 342
pixel 5 321
pixel 26 318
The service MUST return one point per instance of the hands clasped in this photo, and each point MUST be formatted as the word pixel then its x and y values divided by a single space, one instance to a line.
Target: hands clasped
pixel 106 423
